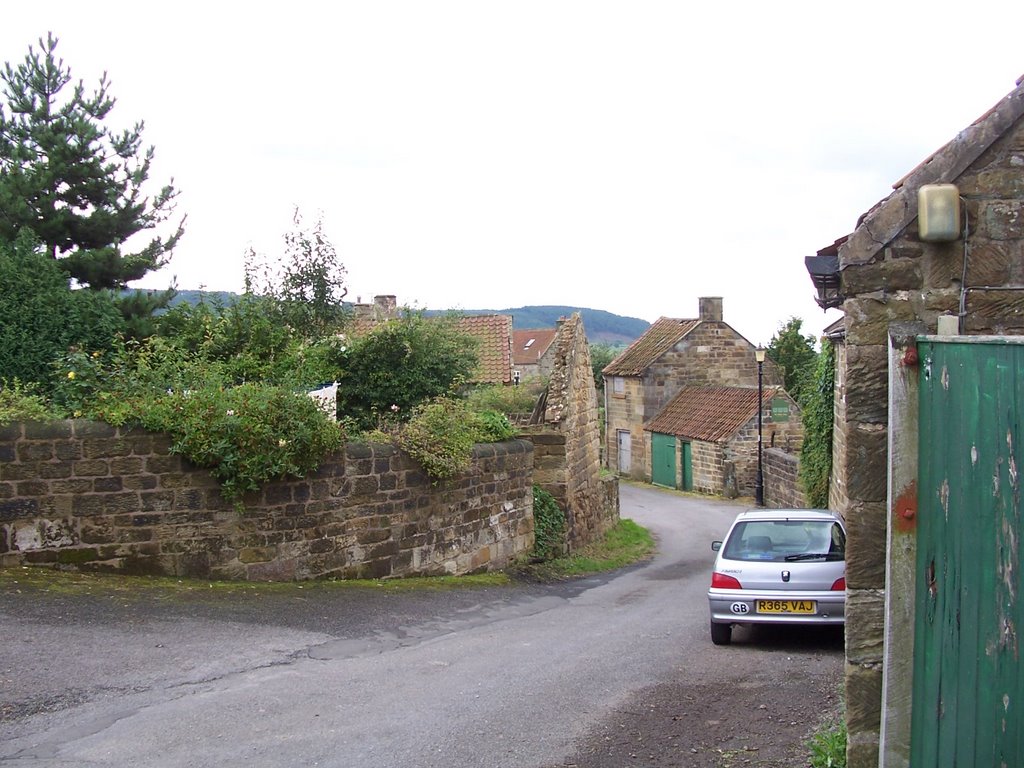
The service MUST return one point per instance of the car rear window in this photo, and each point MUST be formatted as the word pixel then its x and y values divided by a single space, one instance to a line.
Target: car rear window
pixel 786 540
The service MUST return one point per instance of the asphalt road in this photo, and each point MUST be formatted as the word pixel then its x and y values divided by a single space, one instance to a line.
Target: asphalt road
pixel 522 675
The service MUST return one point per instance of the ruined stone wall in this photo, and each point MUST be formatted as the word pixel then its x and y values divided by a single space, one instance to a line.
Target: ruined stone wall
pixel 781 482
pixel 86 495
pixel 571 426
pixel 910 283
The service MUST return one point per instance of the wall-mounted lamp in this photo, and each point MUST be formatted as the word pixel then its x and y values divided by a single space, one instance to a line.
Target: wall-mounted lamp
pixel 938 213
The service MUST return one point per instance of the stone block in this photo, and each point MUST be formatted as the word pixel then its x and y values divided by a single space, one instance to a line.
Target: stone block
pixel 867 383
pixel 865 626
pixel 82 428
pixel 990 263
pixel 48 430
pixel 868 318
pixel 863 699
pixel 867 452
pixel 18 509
pixel 126 465
pixel 895 275
pixel 865 546
pixel 1001 219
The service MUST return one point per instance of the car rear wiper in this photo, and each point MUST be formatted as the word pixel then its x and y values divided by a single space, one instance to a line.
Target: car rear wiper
pixel 814 556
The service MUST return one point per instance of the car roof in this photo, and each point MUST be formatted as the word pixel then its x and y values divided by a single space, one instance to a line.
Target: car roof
pixel 788 514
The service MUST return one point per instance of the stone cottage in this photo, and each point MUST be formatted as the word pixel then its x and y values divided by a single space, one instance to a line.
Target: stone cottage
pixel 916 281
pixel 705 439
pixel 533 352
pixel 673 353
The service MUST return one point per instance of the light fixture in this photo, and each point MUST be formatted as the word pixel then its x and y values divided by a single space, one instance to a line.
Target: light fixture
pixel 938 213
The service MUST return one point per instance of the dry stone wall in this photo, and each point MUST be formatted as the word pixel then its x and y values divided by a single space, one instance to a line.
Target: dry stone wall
pixel 86 495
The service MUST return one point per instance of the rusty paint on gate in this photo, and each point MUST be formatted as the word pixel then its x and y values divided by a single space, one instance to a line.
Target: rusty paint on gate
pixel 905 510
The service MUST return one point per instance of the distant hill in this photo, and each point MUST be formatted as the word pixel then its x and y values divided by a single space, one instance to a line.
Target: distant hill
pixel 601 327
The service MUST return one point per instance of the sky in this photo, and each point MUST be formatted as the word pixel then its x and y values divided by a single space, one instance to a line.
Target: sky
pixel 471 154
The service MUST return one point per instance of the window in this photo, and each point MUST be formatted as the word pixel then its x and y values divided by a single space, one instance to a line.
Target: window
pixel 618 386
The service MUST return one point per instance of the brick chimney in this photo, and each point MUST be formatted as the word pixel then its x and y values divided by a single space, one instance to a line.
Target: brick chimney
pixel 711 309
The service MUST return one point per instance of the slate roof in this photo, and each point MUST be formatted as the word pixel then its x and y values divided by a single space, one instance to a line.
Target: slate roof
pixel 529 346
pixel 495 350
pixel 663 334
pixel 712 414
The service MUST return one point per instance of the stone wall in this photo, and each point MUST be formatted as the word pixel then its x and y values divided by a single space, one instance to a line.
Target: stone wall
pixel 567 440
pixel 781 482
pixel 87 495
pixel 891 279
pixel 707 462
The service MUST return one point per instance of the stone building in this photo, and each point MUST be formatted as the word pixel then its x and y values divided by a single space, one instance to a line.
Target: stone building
pixel 533 353
pixel 673 353
pixel 901 281
pixel 705 439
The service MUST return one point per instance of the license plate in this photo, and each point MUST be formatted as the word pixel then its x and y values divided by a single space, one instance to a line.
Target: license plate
pixel 786 606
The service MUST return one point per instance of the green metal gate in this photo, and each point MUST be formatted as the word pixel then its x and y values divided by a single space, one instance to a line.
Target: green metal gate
pixel 968 686
pixel 663 459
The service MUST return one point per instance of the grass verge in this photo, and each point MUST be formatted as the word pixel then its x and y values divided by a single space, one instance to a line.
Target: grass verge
pixel 625 544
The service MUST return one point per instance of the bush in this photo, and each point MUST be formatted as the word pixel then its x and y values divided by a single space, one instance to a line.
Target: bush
pixel 440 436
pixel 401 364
pixel 548 526
pixel 246 435
pixel 508 400
pixel 21 402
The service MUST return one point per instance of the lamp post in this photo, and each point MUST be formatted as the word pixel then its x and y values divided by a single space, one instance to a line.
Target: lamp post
pixel 759 354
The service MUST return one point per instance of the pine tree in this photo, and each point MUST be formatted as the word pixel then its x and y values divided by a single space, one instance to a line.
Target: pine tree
pixel 76 184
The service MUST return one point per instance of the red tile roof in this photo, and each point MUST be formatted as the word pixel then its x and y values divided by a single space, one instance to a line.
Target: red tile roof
pixel 495 350
pixel 663 334
pixel 528 346
pixel 713 414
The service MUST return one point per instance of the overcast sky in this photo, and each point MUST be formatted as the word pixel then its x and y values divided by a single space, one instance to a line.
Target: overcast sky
pixel 625 156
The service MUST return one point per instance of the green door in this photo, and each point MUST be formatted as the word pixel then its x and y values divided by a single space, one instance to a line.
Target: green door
pixel 968 687
pixel 663 460
pixel 687 465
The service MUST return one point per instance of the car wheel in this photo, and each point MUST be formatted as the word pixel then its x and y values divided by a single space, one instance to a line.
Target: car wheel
pixel 721 634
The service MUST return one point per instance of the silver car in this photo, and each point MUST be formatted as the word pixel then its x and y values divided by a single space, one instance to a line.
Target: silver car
pixel 779 566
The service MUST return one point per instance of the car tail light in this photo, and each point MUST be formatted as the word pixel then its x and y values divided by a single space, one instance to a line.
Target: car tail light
pixel 839 585
pixel 721 581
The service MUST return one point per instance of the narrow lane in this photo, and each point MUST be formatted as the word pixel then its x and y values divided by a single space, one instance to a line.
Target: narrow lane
pixel 513 676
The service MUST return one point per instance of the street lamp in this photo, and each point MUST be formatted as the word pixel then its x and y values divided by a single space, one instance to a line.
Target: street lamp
pixel 759 354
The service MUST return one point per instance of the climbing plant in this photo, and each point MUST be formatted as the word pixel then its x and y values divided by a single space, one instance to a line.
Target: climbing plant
pixel 816 452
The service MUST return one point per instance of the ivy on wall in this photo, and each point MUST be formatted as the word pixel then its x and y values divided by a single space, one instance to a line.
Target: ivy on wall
pixel 816 453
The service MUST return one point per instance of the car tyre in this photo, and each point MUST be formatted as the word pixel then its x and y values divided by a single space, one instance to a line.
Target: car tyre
pixel 721 634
